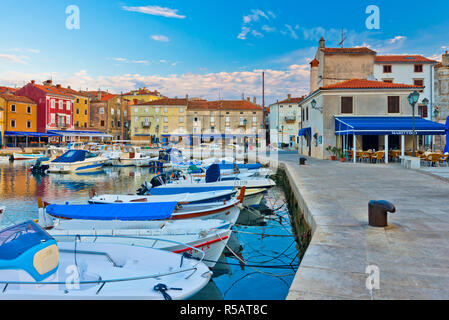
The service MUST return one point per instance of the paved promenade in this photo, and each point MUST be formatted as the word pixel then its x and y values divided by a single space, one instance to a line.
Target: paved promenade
pixel 412 253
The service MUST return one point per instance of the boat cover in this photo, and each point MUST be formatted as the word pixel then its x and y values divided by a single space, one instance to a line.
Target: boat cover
pixel 167 189
pixel 119 211
pixel 249 166
pixel 72 156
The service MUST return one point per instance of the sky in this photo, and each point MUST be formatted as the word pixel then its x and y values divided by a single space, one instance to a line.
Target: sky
pixel 210 49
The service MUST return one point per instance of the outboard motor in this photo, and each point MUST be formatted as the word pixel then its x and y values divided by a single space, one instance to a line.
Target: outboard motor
pixel 38 167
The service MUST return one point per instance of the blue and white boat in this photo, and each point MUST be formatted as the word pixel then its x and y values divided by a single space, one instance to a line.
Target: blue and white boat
pixel 76 161
pixel 34 266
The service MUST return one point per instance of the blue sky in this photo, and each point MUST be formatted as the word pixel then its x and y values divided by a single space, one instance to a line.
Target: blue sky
pixel 201 48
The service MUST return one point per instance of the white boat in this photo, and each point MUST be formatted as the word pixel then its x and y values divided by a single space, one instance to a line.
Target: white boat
pixel 4 158
pixel 77 161
pixel 26 156
pixel 34 266
pixel 183 198
pixel 253 197
pixel 210 236
pixel 225 210
pixel 131 156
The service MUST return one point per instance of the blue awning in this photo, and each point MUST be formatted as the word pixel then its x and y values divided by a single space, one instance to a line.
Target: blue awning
pixel 305 132
pixel 28 134
pixel 386 126
pixel 73 133
pixel 123 211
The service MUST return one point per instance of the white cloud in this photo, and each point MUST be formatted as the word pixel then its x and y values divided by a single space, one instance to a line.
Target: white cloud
pixel 161 38
pixel 268 28
pixel 249 20
pixel 243 33
pixel 291 32
pixel 126 60
pixel 397 38
pixel 13 58
pixel 25 50
pixel 156 11
pixel 257 34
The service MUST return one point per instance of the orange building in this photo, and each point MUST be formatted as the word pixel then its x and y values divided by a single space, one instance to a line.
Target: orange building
pixel 19 115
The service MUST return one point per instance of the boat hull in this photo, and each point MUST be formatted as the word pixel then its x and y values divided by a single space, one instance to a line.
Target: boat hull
pixel 76 167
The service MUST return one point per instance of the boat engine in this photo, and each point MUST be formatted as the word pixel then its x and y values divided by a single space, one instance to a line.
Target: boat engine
pixel 38 167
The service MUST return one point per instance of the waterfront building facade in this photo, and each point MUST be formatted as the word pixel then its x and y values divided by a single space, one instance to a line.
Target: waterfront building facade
pixel 142 95
pixel 2 126
pixel 284 122
pixel 54 105
pixel 81 109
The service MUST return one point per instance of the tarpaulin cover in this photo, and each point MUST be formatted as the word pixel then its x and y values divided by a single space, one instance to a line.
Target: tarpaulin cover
pixel 72 156
pixel 386 126
pixel 249 166
pixel 119 211
pixel 213 173
pixel 165 190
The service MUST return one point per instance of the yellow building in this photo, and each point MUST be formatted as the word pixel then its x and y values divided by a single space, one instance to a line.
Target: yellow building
pixel 142 95
pixel 81 109
pixel 19 113
pixel 152 120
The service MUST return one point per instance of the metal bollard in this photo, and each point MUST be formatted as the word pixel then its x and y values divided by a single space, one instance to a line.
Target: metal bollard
pixel 302 161
pixel 377 212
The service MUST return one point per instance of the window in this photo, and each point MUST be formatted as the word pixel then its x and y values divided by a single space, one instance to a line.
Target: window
pixel 77 124
pixel 136 119
pixel 29 110
pixel 422 111
pixel 165 119
pixel 125 113
pixel 52 103
pixel 112 111
pixel 85 102
pixel 13 123
pixel 165 110
pixel 68 105
pixel 119 124
pixel 77 100
pixel 52 118
pixel 61 104
pixel 212 120
pixel 85 112
pixel 13 108
pixel 418 82
pixel 156 110
pixel 227 112
pixel 387 68
pixel 181 119
pixel 346 105
pixel 112 123
pixel 136 110
pixel 181 110
pixel 228 129
pixel 418 68
pixel 195 130
pixel 165 129
pixel 227 119
pixel 157 119
pixel 85 124
pixel 307 113
pixel 212 129
pixel 101 110
pixel 254 119
pixel 393 104
pixel 387 80
pixel 242 121
pixel 102 123
pixel 77 111
pixel 146 110
pixel 181 129
pixel 195 119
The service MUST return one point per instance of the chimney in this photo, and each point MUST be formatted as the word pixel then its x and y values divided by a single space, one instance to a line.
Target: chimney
pixel 58 86
pixel 68 87
pixel 135 101
pixel 48 82
pixel 248 99
pixel 187 97
pixel 99 95
pixel 289 96
pixel 322 43
pixel 254 100
pixel 445 60
pixel 314 75
pixel 32 81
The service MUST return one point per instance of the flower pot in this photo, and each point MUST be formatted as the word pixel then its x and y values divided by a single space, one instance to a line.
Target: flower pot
pixel 333 158
pixel 342 159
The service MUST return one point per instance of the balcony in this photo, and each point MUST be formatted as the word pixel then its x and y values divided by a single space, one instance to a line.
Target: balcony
pixel 146 125
pixel 290 119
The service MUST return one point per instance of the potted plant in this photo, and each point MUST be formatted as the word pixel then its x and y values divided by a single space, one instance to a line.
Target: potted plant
pixel 341 155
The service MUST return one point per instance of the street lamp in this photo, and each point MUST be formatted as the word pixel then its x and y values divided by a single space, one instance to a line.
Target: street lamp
pixel 313 103
pixel 413 99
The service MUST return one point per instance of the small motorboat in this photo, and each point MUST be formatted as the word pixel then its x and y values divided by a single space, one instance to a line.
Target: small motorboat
pixel 26 156
pixel 210 236
pixel 35 266
pixel 182 198
pixel 224 210
pixel 253 197
pixel 77 161
pixel 4 158
pixel 131 156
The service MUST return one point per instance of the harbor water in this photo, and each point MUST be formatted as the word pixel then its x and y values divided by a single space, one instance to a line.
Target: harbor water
pixel 259 263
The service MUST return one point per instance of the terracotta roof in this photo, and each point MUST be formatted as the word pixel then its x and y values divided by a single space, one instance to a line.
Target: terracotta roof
pixel 361 50
pixel 52 90
pixel 108 96
pixel 368 84
pixel 314 63
pixel 165 102
pixel 12 97
pixel 291 100
pixel 4 89
pixel 404 59
pixel 223 105
pixel 74 92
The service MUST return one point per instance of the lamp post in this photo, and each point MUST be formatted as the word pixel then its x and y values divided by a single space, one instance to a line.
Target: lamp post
pixel 413 99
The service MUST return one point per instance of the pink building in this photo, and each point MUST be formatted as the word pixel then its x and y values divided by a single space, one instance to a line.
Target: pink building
pixel 54 105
